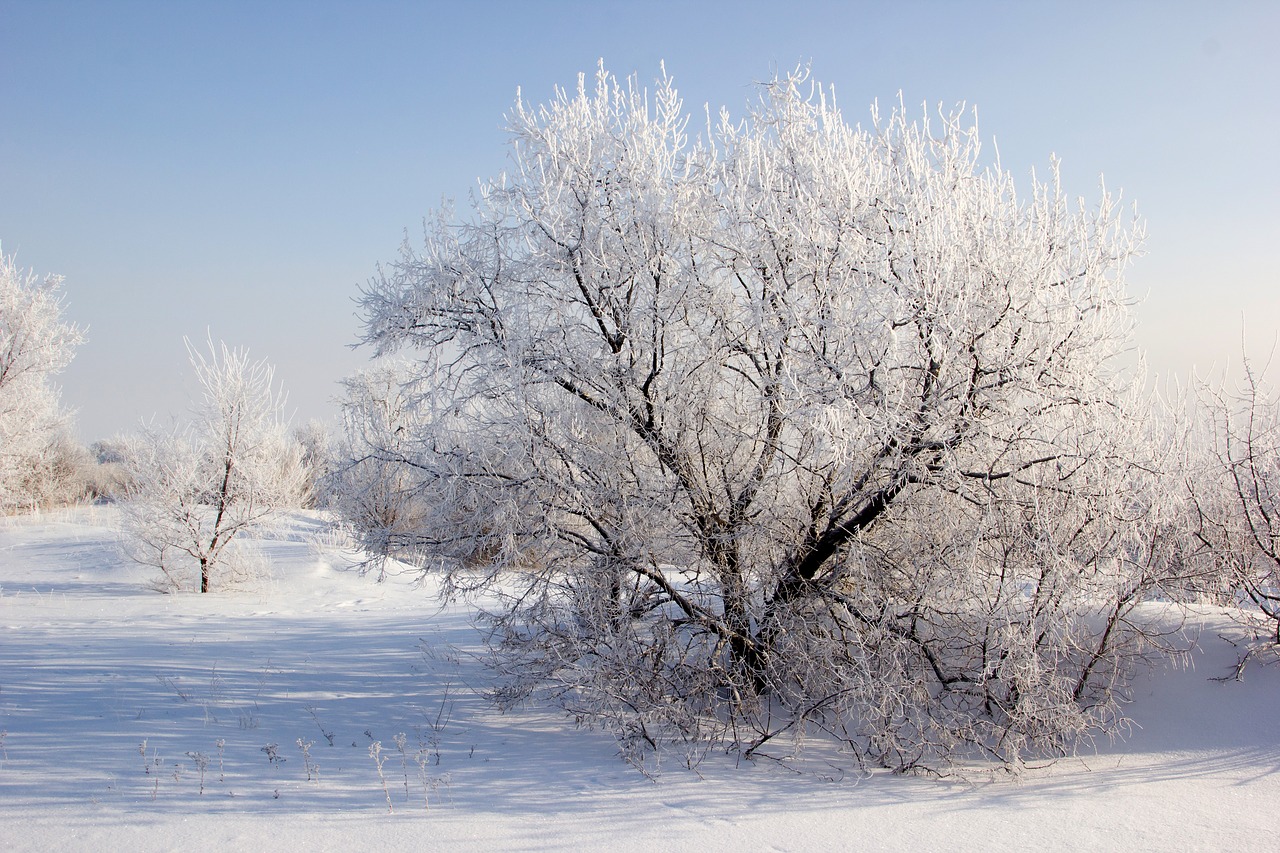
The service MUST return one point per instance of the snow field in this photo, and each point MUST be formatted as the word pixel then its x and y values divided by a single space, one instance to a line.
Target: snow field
pixel 94 663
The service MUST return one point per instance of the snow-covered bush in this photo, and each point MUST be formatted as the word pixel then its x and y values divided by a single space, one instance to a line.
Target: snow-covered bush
pixel 35 344
pixel 316 444
pixel 61 474
pixel 195 490
pixel 796 426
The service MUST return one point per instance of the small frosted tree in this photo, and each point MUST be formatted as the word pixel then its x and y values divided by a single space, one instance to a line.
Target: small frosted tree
pixel 1235 494
pixel 796 427
pixel 195 490
pixel 35 344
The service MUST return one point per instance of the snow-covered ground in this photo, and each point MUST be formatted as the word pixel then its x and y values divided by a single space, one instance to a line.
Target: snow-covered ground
pixel 112 696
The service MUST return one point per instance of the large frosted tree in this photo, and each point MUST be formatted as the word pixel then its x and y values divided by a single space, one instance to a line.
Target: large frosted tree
pixel 35 344
pixel 788 425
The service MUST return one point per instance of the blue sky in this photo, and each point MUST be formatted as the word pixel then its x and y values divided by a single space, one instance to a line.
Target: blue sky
pixel 242 167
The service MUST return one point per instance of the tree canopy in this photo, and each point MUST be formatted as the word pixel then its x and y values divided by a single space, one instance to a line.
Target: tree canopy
pixel 786 424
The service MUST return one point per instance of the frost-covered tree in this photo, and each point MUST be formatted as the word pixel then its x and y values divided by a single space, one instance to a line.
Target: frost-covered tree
pixel 196 489
pixel 35 343
pixel 1236 495
pixel 789 426
pixel 377 485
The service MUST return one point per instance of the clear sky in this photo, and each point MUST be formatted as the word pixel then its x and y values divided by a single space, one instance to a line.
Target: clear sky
pixel 241 167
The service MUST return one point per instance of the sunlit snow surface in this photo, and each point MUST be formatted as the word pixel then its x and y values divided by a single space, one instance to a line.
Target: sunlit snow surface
pixel 93 663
